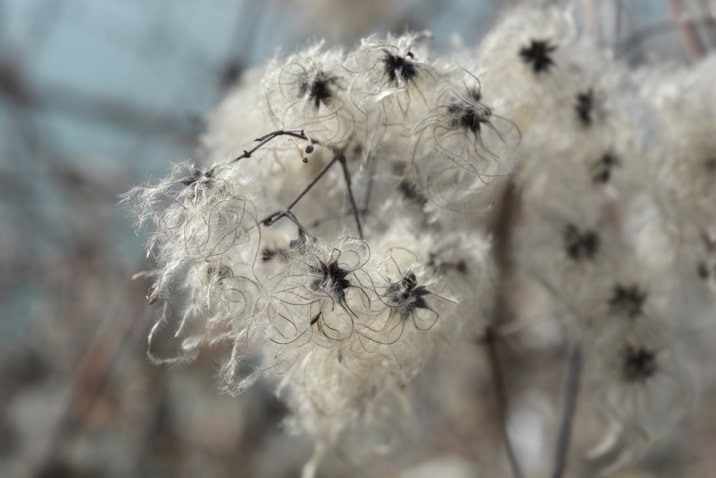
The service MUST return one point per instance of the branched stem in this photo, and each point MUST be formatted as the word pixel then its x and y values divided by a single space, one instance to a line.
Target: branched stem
pixel 276 215
pixel 300 134
pixel 366 200
pixel 338 158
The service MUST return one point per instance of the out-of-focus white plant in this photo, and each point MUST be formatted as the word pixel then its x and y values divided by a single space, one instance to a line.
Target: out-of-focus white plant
pixel 349 242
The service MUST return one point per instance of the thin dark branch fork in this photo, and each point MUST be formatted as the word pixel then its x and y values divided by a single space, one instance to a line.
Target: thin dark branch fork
pixel 272 218
pixel 300 134
pixel 338 157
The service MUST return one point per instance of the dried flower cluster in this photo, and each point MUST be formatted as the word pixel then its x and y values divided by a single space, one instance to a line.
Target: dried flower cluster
pixel 340 249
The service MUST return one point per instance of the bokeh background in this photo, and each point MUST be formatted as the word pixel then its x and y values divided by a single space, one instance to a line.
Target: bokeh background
pixel 97 96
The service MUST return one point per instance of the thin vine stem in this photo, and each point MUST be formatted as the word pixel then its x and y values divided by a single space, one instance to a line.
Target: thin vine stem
pixel 300 134
pixel 571 394
pixel 498 382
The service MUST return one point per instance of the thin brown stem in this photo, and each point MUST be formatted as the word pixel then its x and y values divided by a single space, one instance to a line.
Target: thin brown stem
pixel 369 187
pixel 502 228
pixel 498 383
pixel 687 32
pixel 276 215
pixel 300 134
pixel 333 217
pixel 634 40
pixel 591 20
pixel 351 198
pixel 338 157
pixel 571 393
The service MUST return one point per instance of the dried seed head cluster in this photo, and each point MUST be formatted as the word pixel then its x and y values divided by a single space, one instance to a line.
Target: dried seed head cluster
pixel 610 212
pixel 335 232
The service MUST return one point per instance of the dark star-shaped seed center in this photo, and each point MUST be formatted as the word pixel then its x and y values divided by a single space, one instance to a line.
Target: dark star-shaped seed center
pixel 407 295
pixel 319 90
pixel 639 364
pixel 396 67
pixel 538 55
